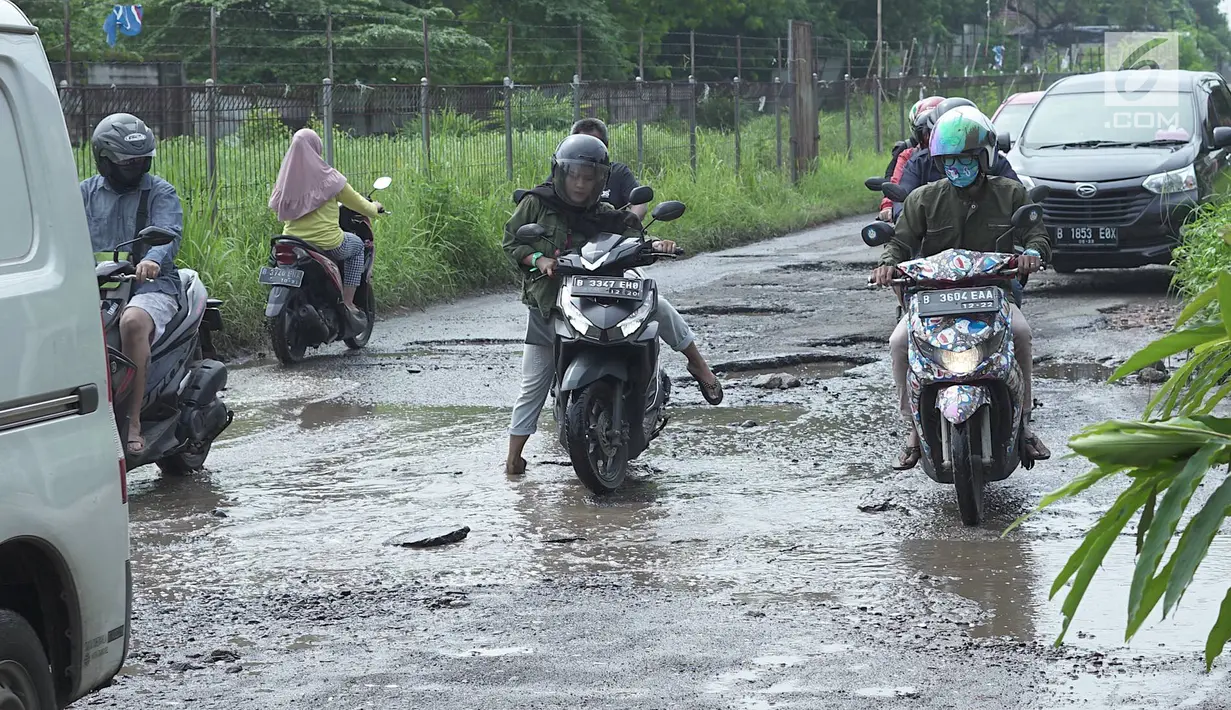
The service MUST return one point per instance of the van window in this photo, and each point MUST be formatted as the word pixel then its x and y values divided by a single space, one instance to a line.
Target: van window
pixel 1077 118
pixel 18 233
pixel 1220 105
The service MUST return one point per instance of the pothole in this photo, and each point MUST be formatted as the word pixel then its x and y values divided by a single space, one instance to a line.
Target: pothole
pixel 843 341
pixel 798 364
pixel 828 266
pixel 1073 371
pixel 735 310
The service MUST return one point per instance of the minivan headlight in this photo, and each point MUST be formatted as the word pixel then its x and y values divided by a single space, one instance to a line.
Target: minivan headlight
pixel 1181 180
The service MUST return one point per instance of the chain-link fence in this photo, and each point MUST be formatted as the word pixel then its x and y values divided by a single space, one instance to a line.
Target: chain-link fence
pixel 228 141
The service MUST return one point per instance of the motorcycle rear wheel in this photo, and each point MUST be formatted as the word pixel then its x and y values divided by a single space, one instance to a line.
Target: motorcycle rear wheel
pixel 588 431
pixel 184 463
pixel 968 479
pixel 283 337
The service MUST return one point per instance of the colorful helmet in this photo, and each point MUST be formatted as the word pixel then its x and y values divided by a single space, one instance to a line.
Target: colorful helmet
pixel 963 133
pixel 921 116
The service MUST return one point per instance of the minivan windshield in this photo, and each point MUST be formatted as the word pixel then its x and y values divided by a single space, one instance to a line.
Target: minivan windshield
pixel 1094 120
pixel 1011 118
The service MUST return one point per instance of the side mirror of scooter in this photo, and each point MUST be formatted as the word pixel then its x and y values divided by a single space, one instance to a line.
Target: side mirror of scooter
pixel 641 195
pixel 1027 216
pixel 382 183
pixel 1038 193
pixel 877 234
pixel 1004 142
pixel 894 191
pixel 155 236
pixel 530 232
pixel 874 183
pixel 667 211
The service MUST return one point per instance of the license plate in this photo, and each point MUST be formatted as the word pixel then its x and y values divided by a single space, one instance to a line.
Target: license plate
pixel 1087 236
pixel 606 287
pixel 959 301
pixel 280 277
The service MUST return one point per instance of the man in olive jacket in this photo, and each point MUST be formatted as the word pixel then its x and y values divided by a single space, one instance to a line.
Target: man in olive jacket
pixel 569 209
pixel 969 209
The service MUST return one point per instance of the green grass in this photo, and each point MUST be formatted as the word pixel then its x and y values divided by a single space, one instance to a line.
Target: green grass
pixel 442 239
pixel 1205 251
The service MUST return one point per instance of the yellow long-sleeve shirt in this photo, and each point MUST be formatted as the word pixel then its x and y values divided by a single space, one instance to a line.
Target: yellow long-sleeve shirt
pixel 320 227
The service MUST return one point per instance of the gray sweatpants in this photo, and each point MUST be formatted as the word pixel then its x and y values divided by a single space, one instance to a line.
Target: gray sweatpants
pixel 538 368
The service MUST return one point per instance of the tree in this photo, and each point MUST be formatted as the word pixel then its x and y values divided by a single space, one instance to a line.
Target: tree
pixel 1164 458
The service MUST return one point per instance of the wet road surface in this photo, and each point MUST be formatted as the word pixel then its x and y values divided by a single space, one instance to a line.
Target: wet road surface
pixel 764 555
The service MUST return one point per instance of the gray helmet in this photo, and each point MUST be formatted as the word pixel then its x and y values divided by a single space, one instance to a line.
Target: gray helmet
pixel 580 156
pixel 122 137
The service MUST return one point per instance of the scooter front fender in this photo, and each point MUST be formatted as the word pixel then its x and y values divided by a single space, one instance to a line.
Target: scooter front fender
pixel 959 403
pixel 590 366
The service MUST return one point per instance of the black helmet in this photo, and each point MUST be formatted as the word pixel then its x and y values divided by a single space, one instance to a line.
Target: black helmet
pixel 580 157
pixel 123 148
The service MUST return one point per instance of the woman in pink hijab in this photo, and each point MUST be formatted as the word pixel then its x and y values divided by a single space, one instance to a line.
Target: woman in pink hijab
pixel 306 199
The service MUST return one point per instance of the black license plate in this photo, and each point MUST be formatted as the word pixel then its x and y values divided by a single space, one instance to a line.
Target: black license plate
pixel 1087 236
pixel 599 287
pixel 280 277
pixel 959 301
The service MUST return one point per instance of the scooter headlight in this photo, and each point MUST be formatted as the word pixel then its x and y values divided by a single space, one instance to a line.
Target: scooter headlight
pixel 961 363
pixel 633 322
pixel 574 315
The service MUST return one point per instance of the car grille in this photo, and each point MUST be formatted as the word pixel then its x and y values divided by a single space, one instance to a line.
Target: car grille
pixel 1108 209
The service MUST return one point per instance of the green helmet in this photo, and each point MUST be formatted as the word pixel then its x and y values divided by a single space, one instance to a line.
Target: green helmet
pixel 963 144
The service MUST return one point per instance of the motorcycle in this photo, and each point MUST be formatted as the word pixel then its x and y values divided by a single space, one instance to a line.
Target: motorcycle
pixel 965 387
pixel 610 389
pixel 305 308
pixel 181 414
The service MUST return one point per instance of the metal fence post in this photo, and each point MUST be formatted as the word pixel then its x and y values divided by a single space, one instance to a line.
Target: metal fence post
pixel 846 104
pixel 327 110
pixel 576 98
pixel 426 119
pixel 211 145
pixel 692 124
pixel 640 125
pixel 778 117
pixel 876 110
pixel 902 105
pixel 737 97
pixel 508 128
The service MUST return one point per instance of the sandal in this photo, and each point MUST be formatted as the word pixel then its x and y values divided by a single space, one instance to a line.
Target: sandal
pixel 909 458
pixel 135 445
pixel 712 391
pixel 1035 448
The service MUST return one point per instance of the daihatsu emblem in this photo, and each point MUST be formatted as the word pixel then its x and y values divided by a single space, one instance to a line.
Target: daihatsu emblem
pixel 1085 189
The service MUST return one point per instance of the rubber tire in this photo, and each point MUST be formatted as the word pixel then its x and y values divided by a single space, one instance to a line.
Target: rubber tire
pixel 278 327
pixel 21 649
pixel 184 464
pixel 368 298
pixel 1064 270
pixel 968 471
pixel 576 426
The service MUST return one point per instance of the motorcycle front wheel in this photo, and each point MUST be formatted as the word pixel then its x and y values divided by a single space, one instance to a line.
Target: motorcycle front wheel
pixel 968 469
pixel 596 444
pixel 367 299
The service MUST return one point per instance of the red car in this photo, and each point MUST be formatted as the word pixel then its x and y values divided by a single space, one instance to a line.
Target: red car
pixel 1011 115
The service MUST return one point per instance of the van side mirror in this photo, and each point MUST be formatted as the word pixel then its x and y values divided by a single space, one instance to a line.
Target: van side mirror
pixel 1222 136
pixel 667 211
pixel 874 183
pixel 877 234
pixel 156 236
pixel 1038 193
pixel 530 232
pixel 641 195
pixel 1027 216
pixel 894 191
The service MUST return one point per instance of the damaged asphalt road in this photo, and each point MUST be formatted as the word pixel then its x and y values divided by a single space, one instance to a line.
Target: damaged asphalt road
pixel 765 555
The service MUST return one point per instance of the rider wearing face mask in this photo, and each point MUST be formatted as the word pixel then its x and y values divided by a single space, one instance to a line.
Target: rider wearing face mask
pixel 569 207
pixel 969 209
pixel 120 201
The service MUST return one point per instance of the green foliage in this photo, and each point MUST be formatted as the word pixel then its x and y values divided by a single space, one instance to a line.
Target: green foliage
pixel 262 126
pixel 1165 457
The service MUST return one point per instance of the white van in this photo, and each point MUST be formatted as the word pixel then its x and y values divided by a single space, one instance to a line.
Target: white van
pixel 65 580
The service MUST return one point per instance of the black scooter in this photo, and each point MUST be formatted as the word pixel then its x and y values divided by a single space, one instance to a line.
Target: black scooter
pixel 305 308
pixel 181 414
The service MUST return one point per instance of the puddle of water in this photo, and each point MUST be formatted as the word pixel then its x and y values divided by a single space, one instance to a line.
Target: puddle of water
pixel 819 362
pixel 488 652
pixel 904 692
pixel 1073 371
pixel 707 416
pixel 805 371
pixel 306 641
pixel 1010 580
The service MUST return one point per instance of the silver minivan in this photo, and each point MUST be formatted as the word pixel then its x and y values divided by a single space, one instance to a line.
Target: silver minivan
pixel 65 579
